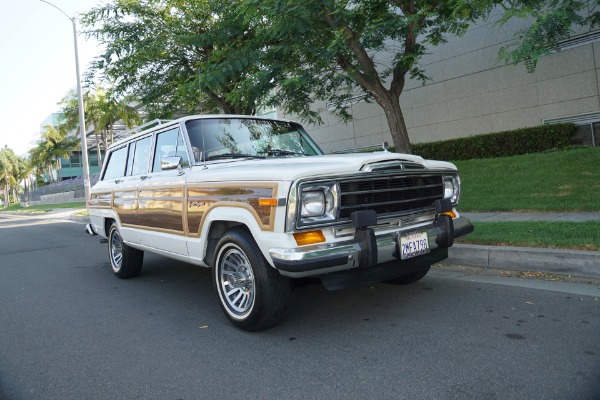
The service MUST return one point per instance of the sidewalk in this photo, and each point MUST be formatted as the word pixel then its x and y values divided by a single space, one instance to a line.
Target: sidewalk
pixel 585 264
pixel 532 216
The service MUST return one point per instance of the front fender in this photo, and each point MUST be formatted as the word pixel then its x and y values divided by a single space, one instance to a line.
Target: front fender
pixel 235 213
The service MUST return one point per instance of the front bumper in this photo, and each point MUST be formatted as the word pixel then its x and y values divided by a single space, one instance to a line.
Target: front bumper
pixel 332 257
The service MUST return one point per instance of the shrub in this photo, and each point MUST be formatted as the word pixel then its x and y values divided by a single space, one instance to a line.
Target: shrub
pixel 499 144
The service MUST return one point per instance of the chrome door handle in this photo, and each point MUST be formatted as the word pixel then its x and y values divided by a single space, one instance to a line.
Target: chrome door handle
pixel 145 177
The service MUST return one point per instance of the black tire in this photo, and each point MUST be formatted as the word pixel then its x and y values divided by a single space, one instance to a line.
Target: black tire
pixel 126 262
pixel 410 278
pixel 259 293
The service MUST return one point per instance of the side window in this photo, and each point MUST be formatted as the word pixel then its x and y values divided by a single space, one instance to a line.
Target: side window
pixel 130 159
pixel 116 164
pixel 141 156
pixel 166 146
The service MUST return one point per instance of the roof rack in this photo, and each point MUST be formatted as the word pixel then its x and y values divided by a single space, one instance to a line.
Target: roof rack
pixel 148 124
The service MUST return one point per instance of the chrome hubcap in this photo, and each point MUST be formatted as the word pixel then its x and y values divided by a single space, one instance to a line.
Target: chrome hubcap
pixel 236 282
pixel 116 250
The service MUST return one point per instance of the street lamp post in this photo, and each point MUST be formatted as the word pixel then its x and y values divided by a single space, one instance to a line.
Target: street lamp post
pixel 82 127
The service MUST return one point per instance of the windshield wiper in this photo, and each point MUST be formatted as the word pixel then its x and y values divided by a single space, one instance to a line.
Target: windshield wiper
pixel 232 155
pixel 278 152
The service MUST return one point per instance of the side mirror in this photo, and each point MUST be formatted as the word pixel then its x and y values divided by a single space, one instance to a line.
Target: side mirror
pixel 169 163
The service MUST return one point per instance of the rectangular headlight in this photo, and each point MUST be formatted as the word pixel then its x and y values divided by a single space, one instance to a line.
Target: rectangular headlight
pixel 318 203
pixel 312 204
pixel 452 188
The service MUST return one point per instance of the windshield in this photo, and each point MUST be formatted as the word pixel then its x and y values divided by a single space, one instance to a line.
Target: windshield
pixel 225 138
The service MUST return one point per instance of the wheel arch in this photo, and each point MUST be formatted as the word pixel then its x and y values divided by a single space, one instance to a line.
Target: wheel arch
pixel 220 220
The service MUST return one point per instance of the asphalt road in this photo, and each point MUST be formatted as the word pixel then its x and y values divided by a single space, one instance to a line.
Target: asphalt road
pixel 69 329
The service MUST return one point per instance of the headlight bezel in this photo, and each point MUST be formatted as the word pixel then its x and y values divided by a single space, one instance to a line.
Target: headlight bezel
pixel 328 191
pixel 452 188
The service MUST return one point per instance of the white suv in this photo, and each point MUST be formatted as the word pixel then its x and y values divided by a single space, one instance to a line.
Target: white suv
pixel 256 200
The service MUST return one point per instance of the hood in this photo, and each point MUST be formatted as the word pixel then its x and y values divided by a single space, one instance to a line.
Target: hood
pixel 292 168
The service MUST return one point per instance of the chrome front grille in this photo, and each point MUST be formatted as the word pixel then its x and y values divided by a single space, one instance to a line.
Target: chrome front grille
pixel 390 195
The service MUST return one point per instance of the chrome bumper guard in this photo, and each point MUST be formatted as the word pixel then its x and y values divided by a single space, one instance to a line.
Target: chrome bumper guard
pixel 332 257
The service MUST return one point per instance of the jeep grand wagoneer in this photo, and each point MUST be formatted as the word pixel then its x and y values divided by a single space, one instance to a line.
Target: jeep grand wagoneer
pixel 256 200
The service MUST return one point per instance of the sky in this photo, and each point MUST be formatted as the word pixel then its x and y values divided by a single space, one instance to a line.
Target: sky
pixel 37 64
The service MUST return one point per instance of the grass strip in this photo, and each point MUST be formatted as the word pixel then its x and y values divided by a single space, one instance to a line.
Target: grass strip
pixel 42 208
pixel 554 181
pixel 554 235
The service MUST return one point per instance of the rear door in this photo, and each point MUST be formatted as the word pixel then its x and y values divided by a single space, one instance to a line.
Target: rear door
pixel 115 195
pixel 161 195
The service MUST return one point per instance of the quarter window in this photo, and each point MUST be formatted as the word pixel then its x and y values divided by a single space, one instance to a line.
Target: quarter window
pixel 116 164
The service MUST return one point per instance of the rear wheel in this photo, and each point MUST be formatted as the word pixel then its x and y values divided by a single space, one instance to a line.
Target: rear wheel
pixel 252 294
pixel 125 261
pixel 410 278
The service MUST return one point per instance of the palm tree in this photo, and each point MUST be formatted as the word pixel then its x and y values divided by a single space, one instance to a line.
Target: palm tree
pixel 92 110
pixel 8 169
pixel 114 110
pixel 58 145
pixel 24 170
pixel 41 159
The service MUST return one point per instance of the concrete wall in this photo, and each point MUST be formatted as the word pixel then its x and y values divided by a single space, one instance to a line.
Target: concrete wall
pixel 471 92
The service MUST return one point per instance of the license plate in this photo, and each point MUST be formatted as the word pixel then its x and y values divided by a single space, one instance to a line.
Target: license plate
pixel 413 244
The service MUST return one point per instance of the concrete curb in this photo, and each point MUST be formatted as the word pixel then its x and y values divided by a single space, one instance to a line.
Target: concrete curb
pixel 85 219
pixel 585 264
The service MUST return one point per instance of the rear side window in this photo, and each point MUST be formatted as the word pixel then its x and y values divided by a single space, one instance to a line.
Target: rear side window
pixel 116 164
pixel 141 156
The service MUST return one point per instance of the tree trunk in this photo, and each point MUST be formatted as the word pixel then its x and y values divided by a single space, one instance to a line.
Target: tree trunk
pixel 396 123
pixel 49 167
pixel 58 171
pixel 5 189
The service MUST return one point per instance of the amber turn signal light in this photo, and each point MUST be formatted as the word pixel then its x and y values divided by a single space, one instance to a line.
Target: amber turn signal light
pixel 312 237
pixel 267 202
pixel 450 214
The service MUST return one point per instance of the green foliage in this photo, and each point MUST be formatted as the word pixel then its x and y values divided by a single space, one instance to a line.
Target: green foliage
pixel 190 55
pixel 553 21
pixel 11 168
pixel 180 56
pixel 339 50
pixel 499 144
pixel 551 181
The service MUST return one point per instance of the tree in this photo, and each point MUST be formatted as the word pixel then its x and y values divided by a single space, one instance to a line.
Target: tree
pixel 184 54
pixel 8 170
pixel 57 144
pixel 114 110
pixel 553 21
pixel 345 48
pixel 93 103
pixel 23 174
pixel 179 56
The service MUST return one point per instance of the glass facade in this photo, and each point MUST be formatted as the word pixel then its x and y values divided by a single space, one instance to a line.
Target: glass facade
pixel 72 167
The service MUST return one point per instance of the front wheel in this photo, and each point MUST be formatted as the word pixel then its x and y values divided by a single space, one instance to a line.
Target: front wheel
pixel 126 262
pixel 252 294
